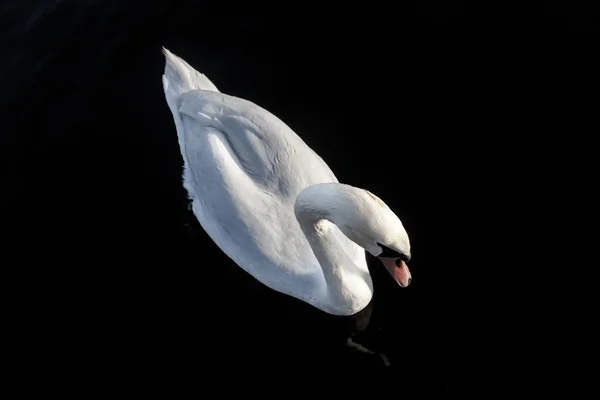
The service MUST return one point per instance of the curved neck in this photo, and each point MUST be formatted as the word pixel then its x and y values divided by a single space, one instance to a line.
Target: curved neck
pixel 349 288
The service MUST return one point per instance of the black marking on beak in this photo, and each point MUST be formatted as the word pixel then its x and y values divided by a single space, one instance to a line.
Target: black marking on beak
pixel 387 252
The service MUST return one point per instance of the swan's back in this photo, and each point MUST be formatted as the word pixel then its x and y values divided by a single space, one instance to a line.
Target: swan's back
pixel 243 169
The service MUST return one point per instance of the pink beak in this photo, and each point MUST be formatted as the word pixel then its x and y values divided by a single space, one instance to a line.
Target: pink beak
pixel 400 273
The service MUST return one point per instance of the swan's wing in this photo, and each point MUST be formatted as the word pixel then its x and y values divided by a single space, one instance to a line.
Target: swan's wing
pixel 245 169
pixel 262 145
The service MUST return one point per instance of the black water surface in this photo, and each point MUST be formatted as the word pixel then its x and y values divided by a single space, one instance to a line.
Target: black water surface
pixel 114 276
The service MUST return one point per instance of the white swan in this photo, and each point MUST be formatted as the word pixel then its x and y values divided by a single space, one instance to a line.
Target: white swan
pixel 273 205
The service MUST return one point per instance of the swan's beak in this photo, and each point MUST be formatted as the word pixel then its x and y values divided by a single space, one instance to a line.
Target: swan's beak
pixel 400 273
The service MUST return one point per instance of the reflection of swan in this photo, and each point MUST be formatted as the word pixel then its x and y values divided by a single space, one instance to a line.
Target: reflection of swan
pixel 272 204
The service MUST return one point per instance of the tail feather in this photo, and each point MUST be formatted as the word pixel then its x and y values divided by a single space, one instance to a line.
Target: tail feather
pixel 180 77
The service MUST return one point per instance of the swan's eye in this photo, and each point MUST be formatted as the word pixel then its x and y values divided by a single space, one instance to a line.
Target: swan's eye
pixel 399 262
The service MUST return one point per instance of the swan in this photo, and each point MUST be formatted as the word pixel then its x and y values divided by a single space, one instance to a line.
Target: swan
pixel 273 205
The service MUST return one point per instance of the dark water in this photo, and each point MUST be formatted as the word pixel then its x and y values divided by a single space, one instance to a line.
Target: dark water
pixel 113 274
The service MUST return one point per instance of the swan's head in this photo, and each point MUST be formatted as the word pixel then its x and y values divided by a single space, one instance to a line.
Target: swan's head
pixel 366 220
pixel 369 222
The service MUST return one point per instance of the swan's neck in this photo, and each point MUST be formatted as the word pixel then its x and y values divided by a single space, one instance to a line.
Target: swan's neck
pixel 349 288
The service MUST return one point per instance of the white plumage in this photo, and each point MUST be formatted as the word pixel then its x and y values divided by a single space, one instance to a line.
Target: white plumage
pixel 270 202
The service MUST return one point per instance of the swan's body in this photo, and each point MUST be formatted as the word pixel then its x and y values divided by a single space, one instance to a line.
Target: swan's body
pixel 271 203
